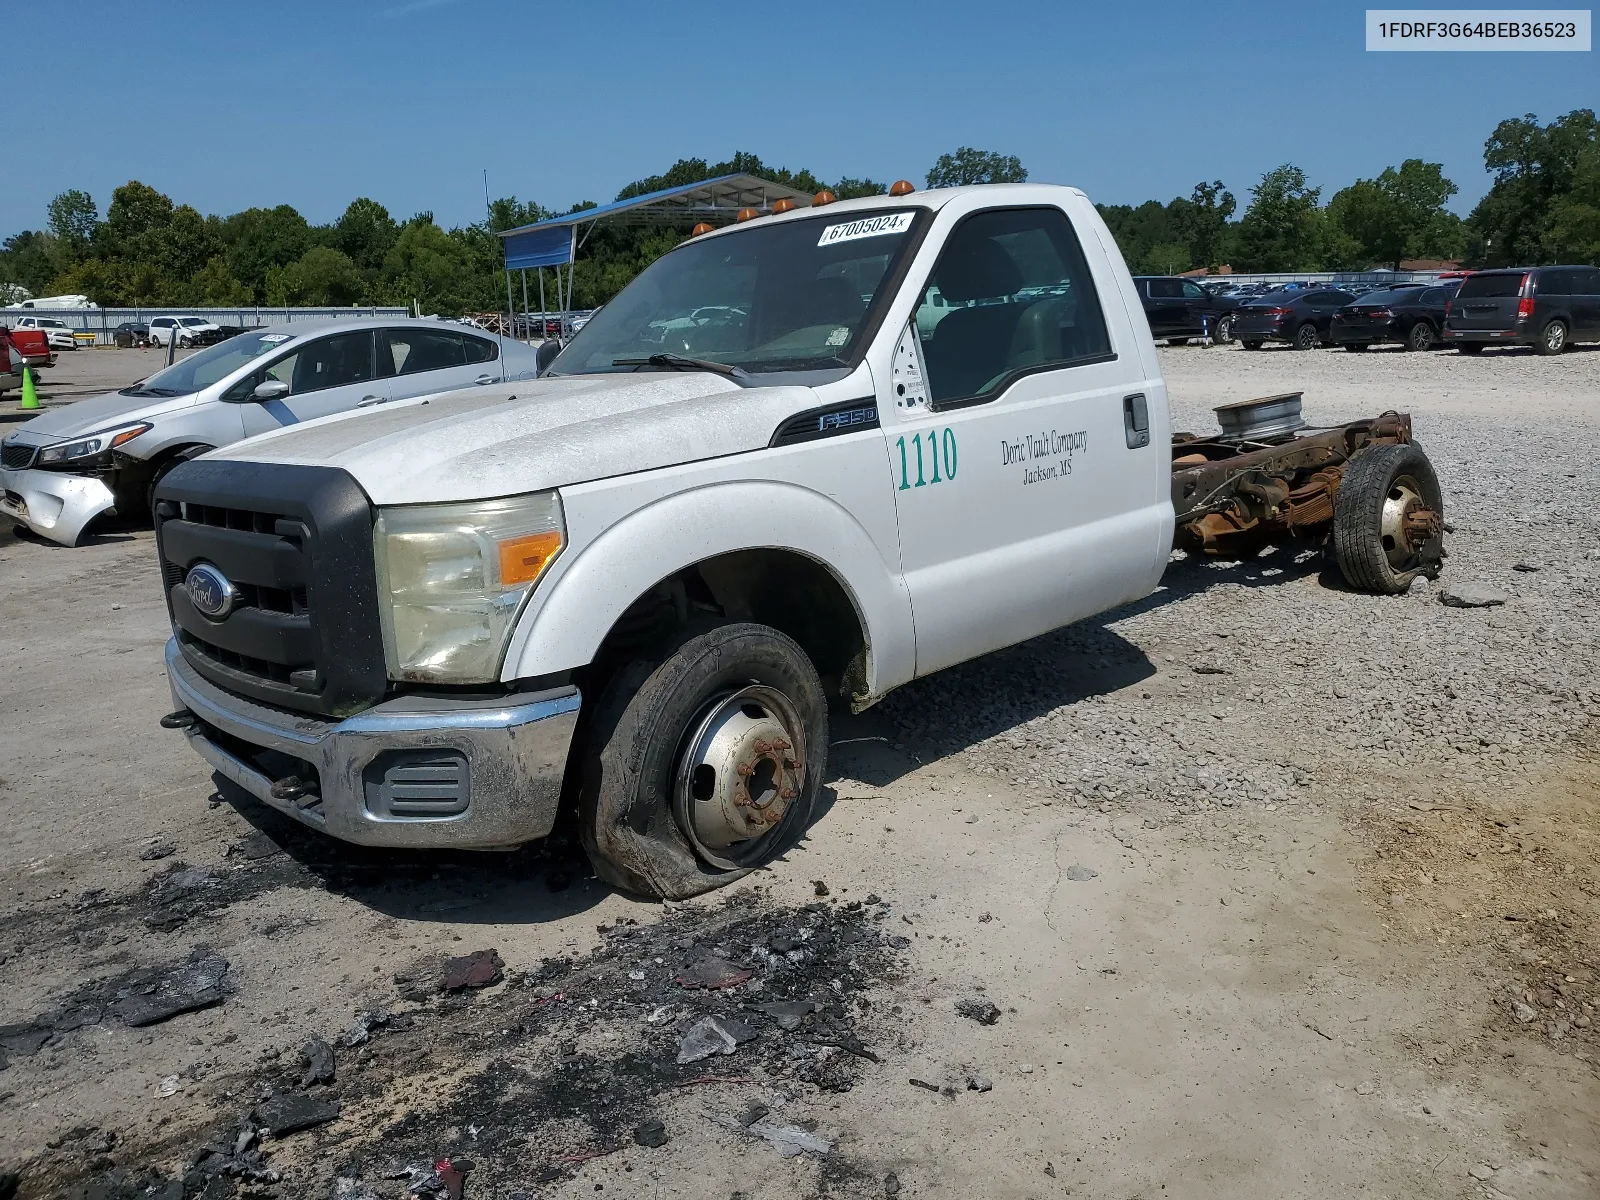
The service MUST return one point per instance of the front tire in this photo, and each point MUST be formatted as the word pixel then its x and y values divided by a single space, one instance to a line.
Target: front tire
pixel 1552 338
pixel 1355 347
pixel 704 762
pixel 1178 341
pixel 160 473
pixel 1305 338
pixel 1470 348
pixel 1388 519
pixel 1250 343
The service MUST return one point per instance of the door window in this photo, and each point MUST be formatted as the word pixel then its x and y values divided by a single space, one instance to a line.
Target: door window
pixel 1431 296
pixel 336 361
pixel 1020 299
pixel 479 350
pixel 409 351
pixel 1586 282
pixel 1193 291
pixel 1165 289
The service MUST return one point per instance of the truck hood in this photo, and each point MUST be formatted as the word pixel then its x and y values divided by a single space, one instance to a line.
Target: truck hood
pixel 101 412
pixel 532 435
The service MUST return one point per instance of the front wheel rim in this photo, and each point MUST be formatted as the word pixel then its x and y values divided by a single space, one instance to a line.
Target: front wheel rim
pixel 740 771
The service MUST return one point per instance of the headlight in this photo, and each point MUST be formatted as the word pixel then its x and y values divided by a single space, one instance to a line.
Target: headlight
pixel 90 446
pixel 452 579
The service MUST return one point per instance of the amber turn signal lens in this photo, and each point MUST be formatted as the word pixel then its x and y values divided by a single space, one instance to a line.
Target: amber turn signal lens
pixel 823 197
pixel 523 559
pixel 901 187
pixel 127 435
pixel 699 229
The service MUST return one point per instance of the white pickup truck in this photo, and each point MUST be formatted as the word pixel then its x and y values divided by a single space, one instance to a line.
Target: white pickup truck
pixel 757 483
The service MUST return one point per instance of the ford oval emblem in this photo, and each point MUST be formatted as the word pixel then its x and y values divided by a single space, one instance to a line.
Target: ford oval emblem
pixel 210 591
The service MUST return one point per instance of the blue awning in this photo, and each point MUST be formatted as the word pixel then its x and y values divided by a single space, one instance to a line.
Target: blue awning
pixel 551 243
pixel 538 246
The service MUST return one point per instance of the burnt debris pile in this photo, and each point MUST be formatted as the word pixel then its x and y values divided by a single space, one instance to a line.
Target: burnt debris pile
pixel 516 1075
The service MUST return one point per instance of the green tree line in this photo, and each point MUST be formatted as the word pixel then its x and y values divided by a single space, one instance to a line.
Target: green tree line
pixel 1543 205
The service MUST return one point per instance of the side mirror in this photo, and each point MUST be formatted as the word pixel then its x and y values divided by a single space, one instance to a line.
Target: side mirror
pixel 546 353
pixel 270 389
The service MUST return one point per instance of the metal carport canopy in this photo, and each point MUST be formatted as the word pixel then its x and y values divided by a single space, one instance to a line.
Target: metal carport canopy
pixel 716 201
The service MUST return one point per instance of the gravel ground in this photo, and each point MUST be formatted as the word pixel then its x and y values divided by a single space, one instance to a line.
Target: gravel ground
pixel 1289 672
pixel 1276 889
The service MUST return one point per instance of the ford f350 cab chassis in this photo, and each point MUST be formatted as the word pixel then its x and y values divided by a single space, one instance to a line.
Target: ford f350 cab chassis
pixel 798 462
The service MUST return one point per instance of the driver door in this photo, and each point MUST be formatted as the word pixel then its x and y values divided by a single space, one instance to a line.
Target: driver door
pixel 328 375
pixel 1022 503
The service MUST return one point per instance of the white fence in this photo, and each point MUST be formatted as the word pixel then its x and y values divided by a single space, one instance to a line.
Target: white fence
pixel 102 322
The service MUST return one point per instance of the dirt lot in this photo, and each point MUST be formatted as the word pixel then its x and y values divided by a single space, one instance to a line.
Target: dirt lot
pixel 1276 890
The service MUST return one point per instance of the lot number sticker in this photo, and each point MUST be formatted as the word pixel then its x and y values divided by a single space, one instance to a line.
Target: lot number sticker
pixel 921 460
pixel 866 227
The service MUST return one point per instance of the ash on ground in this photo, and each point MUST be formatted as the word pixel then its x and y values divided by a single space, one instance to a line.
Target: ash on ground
pixel 564 1061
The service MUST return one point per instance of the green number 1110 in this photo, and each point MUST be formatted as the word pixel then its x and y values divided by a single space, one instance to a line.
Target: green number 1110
pixel 941 449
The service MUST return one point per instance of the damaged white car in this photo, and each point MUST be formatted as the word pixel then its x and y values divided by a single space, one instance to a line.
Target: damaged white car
pixel 72 464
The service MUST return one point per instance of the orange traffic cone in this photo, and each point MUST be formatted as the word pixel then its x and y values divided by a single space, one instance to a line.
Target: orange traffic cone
pixel 30 395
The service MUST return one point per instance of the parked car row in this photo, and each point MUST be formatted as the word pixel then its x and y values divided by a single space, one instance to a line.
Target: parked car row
pixel 1547 308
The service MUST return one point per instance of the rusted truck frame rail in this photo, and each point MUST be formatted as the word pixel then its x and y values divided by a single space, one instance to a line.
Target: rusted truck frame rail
pixel 1234 495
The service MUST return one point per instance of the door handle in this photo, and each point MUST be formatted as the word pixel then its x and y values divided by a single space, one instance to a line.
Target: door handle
pixel 481 379
pixel 1136 420
pixel 369 401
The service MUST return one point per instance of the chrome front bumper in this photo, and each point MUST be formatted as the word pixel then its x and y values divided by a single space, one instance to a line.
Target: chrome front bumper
pixel 54 504
pixel 514 749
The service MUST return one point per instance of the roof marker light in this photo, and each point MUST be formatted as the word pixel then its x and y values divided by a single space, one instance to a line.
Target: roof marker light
pixel 901 187
pixel 782 206
pixel 823 197
pixel 747 214
pixel 699 229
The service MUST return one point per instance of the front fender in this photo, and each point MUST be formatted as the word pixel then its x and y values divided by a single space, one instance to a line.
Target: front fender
pixel 570 615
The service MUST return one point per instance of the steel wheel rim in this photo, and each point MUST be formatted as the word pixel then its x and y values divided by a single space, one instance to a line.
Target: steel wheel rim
pixel 757 771
pixel 1403 498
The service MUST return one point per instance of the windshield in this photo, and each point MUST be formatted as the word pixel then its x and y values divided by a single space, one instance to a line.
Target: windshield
pixel 193 321
pixel 791 296
pixel 205 367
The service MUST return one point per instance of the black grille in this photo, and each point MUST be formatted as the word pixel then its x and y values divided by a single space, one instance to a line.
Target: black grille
pixel 17 458
pixel 296 543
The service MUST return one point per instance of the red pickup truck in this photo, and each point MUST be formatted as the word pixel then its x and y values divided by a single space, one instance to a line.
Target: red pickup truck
pixel 10 365
pixel 32 346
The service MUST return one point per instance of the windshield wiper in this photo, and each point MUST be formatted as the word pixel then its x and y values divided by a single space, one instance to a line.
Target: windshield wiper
pixel 141 390
pixel 678 362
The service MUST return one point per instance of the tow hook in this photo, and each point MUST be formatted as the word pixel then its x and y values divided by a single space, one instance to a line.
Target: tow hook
pixel 292 788
pixel 182 719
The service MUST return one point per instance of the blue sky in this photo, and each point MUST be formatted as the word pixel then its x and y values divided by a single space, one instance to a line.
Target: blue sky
pixel 408 101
